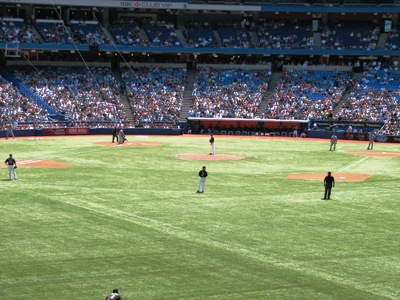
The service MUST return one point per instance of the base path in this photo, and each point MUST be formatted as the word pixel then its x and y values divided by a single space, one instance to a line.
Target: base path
pixel 338 176
pixel 210 157
pixel 129 144
pixel 372 153
pixel 45 164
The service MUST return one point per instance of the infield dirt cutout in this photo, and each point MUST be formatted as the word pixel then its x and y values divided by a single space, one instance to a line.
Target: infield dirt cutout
pixel 210 157
pixel 338 176
pixel 372 153
pixel 45 164
pixel 130 144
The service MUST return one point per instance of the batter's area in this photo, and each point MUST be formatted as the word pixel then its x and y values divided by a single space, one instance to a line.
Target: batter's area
pixel 130 144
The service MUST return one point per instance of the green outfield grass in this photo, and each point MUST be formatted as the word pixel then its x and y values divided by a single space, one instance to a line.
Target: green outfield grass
pixel 129 217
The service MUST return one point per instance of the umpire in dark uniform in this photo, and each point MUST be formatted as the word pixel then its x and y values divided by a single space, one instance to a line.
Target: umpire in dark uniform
pixel 115 134
pixel 329 183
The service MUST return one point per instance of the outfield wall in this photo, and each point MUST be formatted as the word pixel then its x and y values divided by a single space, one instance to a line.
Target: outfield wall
pixel 287 132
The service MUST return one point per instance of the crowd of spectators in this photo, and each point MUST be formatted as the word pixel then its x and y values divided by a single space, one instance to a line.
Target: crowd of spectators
pixel 90 32
pixel 161 33
pixel 283 35
pixel 235 35
pixel 350 36
pixel 91 96
pixel 375 98
pixel 199 34
pixel 155 94
pixel 148 31
pixel 393 40
pixel 303 95
pixel 127 32
pixel 53 32
pixel 14 107
pixel 83 94
pixel 231 93
pixel 17 31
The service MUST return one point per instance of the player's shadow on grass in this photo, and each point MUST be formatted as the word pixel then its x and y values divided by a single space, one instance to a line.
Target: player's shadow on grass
pixel 6 179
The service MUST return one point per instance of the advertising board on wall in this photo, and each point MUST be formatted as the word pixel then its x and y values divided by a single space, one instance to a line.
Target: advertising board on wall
pixel 66 131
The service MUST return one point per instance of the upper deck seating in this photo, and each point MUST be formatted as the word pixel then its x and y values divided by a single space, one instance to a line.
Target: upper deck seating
pixel 281 35
pixel 15 30
pixel 53 31
pixel 90 32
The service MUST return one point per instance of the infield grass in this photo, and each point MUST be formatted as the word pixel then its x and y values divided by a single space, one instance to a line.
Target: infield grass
pixel 129 217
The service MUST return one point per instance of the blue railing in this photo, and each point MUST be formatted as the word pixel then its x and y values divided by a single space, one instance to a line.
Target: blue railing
pixel 204 50
pixel 26 91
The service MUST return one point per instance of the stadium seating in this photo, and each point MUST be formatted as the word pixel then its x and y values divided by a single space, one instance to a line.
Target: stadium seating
pixel 303 95
pixel 90 32
pixel 83 94
pixel 350 35
pixel 233 37
pixel 53 31
pixel 16 107
pixel 162 35
pixel 155 94
pixel 201 37
pixel 127 32
pixel 375 99
pixel 15 30
pixel 393 40
pixel 280 35
pixel 231 93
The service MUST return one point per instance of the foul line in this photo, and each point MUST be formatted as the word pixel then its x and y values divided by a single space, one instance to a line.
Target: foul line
pixel 353 164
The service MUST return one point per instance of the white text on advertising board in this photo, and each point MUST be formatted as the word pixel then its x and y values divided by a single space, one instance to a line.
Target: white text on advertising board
pixel 146 4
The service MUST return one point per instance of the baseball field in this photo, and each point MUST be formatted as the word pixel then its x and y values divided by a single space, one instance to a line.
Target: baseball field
pixel 86 216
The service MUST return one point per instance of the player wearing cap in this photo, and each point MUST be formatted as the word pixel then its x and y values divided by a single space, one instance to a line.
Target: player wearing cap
pixel 329 183
pixel 12 167
pixel 203 175
pixel 212 145
pixel 333 142
pixel 371 138
pixel 114 296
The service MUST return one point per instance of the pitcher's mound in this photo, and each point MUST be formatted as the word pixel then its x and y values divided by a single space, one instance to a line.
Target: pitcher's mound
pixel 130 144
pixel 338 176
pixel 210 157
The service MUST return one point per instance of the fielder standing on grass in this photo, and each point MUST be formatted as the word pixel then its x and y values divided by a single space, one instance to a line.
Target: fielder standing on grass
pixel 10 131
pixel 12 167
pixel 333 142
pixel 203 176
pixel 371 138
pixel 329 183
pixel 212 145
